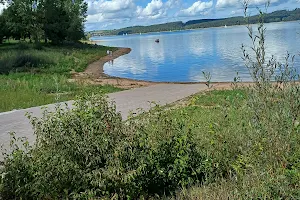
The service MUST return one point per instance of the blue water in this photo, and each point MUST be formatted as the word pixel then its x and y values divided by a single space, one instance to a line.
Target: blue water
pixel 182 56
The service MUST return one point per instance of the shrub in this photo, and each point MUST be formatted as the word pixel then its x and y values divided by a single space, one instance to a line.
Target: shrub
pixel 160 155
pixel 22 62
pixel 88 150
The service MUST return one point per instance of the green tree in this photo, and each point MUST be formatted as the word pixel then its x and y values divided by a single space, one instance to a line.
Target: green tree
pixel 56 20
pixel 77 12
pixel 63 19
pixel 2 28
pixel 20 18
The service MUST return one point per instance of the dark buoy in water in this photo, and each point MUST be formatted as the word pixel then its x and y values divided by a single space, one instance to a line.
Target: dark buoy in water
pixel 157 40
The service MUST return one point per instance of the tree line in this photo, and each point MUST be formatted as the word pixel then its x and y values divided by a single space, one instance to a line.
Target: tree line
pixel 53 21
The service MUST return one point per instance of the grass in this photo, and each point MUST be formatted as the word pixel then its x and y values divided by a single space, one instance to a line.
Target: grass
pixel 33 75
pixel 21 90
pixel 57 59
pixel 260 158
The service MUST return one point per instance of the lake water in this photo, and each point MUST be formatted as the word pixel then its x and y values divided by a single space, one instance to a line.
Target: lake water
pixel 182 56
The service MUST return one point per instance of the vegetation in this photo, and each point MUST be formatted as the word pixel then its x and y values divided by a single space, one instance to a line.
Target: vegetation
pixel 236 144
pixel 31 77
pixel 33 74
pixel 277 16
pixel 55 20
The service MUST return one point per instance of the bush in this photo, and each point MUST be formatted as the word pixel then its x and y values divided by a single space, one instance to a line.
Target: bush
pixel 160 155
pixel 88 150
pixel 22 62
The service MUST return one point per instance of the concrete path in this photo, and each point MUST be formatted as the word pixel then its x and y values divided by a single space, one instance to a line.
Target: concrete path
pixel 126 101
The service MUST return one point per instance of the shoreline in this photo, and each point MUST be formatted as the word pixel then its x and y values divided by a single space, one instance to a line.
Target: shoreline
pixel 94 74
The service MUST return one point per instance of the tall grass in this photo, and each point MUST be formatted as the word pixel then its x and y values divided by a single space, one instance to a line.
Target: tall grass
pixel 49 59
pixel 32 76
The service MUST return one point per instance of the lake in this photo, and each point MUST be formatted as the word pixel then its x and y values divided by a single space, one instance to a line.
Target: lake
pixel 182 56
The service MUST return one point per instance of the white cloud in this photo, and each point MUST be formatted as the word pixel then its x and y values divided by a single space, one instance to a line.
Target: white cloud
pixel 115 10
pixel 111 14
pixel 108 12
pixel 2 7
pixel 103 6
pixel 198 8
pixel 155 9
pixel 227 3
pixel 175 3
pixel 239 3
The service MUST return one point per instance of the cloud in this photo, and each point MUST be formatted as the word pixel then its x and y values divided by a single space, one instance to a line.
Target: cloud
pixel 110 14
pixel 2 7
pixel 227 3
pixel 115 10
pixel 238 3
pixel 102 6
pixel 198 8
pixel 175 3
pixel 120 11
pixel 155 9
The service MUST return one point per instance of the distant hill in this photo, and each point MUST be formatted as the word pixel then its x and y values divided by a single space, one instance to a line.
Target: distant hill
pixel 277 16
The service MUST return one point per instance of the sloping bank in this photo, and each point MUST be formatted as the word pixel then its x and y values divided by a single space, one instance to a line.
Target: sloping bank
pixel 94 73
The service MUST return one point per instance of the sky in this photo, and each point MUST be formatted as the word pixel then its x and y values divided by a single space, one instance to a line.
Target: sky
pixel 114 14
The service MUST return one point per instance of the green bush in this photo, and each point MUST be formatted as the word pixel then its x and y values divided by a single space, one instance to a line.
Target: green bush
pixel 160 155
pixel 22 62
pixel 88 150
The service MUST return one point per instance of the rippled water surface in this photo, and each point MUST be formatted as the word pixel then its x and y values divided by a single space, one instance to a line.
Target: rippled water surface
pixel 182 56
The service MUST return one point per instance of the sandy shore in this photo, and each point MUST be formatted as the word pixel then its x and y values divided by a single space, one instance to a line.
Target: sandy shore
pixel 94 74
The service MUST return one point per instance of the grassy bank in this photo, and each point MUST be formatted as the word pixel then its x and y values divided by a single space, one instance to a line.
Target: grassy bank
pixel 32 75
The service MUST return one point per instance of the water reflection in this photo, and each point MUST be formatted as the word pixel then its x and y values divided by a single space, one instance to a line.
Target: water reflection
pixel 182 56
